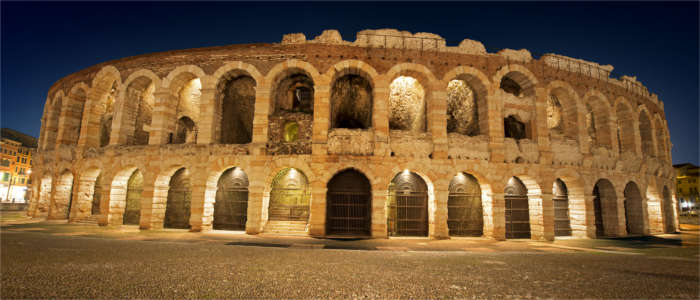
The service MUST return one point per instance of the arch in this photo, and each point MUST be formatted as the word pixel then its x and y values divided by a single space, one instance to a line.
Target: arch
pixel 236 68
pixel 352 100
pixel 464 206
pixel 231 205
pixel 125 197
pixel 63 195
pixel 598 117
pixel 669 211
pixel 177 207
pixel 101 98
pixel 184 85
pixel 646 128
pixel 289 196
pixel 407 105
pixel 89 196
pixel 605 208
pixel 517 209
pixel 352 67
pixel 576 197
pixel 661 140
pixel 625 125
pixel 175 78
pixel 235 99
pixel 518 74
pixel 69 133
pixel 560 198
pixel 419 71
pixel 52 128
pixel 407 213
pixel 562 110
pixel 349 204
pixel 137 107
pixel 467 105
pixel 634 210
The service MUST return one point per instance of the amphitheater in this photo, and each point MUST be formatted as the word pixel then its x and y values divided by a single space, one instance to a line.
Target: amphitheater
pixel 394 134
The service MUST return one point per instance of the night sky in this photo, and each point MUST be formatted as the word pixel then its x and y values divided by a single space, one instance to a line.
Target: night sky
pixel 657 42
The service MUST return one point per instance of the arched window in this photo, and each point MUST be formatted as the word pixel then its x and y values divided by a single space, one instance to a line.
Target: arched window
pixel 293 101
pixel 185 132
pixel 462 108
pixel 407 105
pixel 351 103
pixel 238 109
pixel 514 128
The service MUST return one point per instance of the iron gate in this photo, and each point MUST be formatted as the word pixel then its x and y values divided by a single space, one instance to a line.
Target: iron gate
pixel 562 222
pixel 517 217
pixel 598 211
pixel 464 214
pixel 177 210
pixel 408 213
pixel 132 210
pixel 348 213
pixel 231 209
pixel 288 204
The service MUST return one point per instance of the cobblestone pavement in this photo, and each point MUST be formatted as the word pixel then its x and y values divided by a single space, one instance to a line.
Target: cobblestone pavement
pixel 49 259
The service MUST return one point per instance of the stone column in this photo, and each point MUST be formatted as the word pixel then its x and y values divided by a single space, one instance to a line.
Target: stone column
pixel 380 119
pixel 198 189
pixel 438 226
pixel 209 116
pixel 621 219
pixel 437 114
pixel 379 196
pixel 495 129
pixel 163 114
pixel 321 122
pixel 540 134
pixel 590 229
pixel 317 219
pixel 496 228
pixel 254 224
pixel 547 217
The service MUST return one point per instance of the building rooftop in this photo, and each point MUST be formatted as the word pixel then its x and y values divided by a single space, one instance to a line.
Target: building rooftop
pixel 26 140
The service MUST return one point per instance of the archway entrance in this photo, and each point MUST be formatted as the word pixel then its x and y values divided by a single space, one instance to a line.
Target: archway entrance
pixel 669 223
pixel 289 197
pixel 562 222
pixel 408 205
pixel 177 209
pixel 132 209
pixel 605 208
pixel 348 204
pixel 464 209
pixel 231 206
pixel 517 210
pixel 634 213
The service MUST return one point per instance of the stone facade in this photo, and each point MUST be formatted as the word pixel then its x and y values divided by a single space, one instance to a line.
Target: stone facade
pixel 608 142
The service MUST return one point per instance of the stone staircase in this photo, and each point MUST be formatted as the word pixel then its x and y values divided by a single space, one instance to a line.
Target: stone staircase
pixel 91 220
pixel 286 228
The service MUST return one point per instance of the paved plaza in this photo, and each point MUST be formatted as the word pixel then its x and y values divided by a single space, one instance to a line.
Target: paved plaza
pixel 56 260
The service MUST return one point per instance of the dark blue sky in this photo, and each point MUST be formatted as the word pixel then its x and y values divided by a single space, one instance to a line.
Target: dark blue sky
pixel 657 42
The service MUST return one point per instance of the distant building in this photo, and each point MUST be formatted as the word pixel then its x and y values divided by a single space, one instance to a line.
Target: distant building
pixel 687 186
pixel 17 150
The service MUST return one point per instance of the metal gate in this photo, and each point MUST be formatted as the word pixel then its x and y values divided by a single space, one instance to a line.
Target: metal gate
pixel 562 223
pixel 598 211
pixel 177 209
pixel 465 214
pixel 408 214
pixel 348 204
pixel 517 210
pixel 231 209
pixel 132 211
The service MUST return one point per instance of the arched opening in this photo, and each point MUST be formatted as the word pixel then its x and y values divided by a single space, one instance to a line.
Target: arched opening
pixel 44 202
pixel 351 102
pixel 669 223
pixel 605 209
pixel 514 128
pixel 96 196
pixel 177 208
pixel 562 220
pixel 463 106
pixel 590 120
pixel 464 209
pixel 231 206
pixel 138 110
pixel 289 197
pixel 517 84
pixel 562 119
pixel 407 213
pixel 645 134
pixel 106 108
pixel 132 207
pixel 517 210
pixel 237 98
pixel 407 105
pixel 74 117
pixel 293 101
pixel 634 211
pixel 349 204
pixel 185 132
pixel 625 131
pixel 51 129
pixel 554 115
pixel 661 141
pixel 597 122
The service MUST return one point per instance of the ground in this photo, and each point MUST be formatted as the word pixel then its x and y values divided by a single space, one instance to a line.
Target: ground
pixel 50 259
